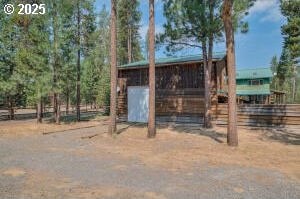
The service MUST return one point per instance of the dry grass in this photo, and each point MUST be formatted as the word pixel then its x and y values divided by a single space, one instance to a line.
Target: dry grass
pixel 26 128
pixel 54 186
pixel 173 149
pixel 179 148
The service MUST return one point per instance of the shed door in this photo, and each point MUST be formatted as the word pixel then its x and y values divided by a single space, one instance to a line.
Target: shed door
pixel 138 103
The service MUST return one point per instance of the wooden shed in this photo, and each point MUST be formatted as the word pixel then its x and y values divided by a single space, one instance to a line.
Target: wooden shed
pixel 179 86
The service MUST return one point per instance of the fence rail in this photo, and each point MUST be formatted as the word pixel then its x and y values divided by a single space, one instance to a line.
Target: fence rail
pixel 33 115
pixel 261 115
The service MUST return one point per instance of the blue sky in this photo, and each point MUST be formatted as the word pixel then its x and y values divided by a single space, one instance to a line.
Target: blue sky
pixel 253 50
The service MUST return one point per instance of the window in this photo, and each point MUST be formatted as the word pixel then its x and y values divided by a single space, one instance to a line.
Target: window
pixel 255 82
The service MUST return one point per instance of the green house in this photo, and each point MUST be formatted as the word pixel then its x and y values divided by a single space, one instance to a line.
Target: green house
pixel 253 85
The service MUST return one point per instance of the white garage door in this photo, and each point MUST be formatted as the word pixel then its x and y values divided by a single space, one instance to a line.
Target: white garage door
pixel 138 103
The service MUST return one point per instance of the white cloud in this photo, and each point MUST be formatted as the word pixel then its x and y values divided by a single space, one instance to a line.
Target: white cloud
pixel 143 30
pixel 263 5
pixel 268 8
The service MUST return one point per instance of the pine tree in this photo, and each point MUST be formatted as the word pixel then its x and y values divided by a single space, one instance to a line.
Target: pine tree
pixel 32 58
pixel 113 68
pixel 194 24
pixel 68 53
pixel 11 85
pixel 86 31
pixel 198 23
pixel 291 32
pixel 232 14
pixel 274 67
pixel 151 119
pixel 95 86
pixel 128 22
pixel 232 135
pixel 60 13
pixel 103 46
pixel 42 55
pixel 285 73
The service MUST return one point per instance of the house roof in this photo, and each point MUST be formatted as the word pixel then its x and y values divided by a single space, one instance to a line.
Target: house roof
pixel 171 60
pixel 254 73
pixel 253 92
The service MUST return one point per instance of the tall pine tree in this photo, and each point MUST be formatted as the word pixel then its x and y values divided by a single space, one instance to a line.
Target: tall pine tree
pixel 32 58
pixel 291 32
pixel 95 83
pixel 10 81
pixel 128 21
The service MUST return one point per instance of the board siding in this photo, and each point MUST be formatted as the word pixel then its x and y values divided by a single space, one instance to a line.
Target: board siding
pixel 179 88
pixel 262 115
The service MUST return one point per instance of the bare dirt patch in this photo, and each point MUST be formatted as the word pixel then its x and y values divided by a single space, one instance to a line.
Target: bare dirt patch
pixel 14 172
pixel 178 148
pixel 47 185
pixel 23 128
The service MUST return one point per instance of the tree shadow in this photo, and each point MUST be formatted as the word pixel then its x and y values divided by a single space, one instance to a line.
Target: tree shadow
pixel 24 116
pixel 283 135
pixel 197 130
pixel 66 130
pixel 84 117
pixel 194 129
pixel 128 125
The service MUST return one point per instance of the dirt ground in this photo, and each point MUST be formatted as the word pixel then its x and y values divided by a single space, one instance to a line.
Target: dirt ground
pixel 79 160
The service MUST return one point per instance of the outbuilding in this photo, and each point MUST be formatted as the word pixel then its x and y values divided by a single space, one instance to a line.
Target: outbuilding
pixel 179 93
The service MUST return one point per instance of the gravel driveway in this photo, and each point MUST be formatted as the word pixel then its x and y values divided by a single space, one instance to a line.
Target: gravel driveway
pixel 58 166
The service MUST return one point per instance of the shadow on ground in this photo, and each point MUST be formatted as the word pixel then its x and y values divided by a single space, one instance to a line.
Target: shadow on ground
pixel 283 135
pixel 196 130
pixel 182 128
pixel 128 125
pixel 84 117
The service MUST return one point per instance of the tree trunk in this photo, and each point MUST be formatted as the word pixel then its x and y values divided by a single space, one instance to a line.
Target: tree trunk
pixel 129 45
pixel 232 136
pixel 68 101
pixel 55 64
pixel 54 106
pixel 207 123
pixel 11 109
pixel 39 111
pixel 57 118
pixel 294 83
pixel 42 107
pixel 113 70
pixel 151 119
pixel 209 68
pixel 78 64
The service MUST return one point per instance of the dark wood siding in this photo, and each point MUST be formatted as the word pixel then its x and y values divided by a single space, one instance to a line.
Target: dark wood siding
pixel 262 115
pixel 179 88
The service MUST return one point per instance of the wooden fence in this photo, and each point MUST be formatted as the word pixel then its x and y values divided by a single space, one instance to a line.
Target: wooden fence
pixel 32 115
pixel 261 115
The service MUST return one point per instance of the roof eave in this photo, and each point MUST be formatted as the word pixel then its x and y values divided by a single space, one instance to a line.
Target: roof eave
pixel 254 77
pixel 164 64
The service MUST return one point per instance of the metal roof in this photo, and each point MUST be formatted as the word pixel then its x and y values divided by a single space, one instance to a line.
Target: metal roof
pixel 253 92
pixel 171 60
pixel 247 92
pixel 253 89
pixel 254 73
